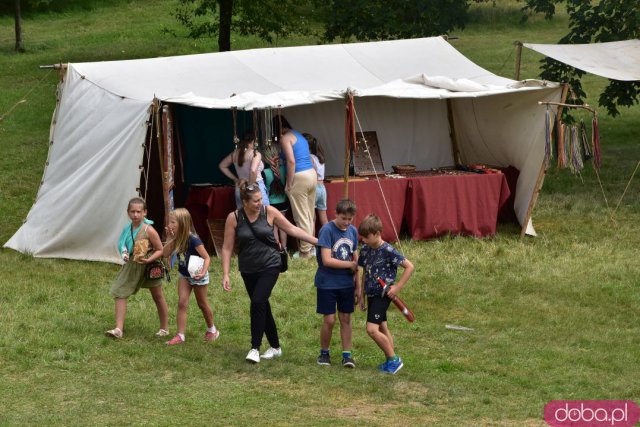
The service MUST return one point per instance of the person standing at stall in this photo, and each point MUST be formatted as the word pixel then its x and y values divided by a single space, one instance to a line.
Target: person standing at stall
pixel 317 155
pixel 301 179
pixel 259 262
pixel 247 162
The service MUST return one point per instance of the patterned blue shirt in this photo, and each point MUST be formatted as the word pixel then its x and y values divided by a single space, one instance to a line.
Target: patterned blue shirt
pixel 381 262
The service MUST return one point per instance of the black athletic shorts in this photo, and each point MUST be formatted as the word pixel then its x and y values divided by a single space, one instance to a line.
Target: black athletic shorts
pixel 377 309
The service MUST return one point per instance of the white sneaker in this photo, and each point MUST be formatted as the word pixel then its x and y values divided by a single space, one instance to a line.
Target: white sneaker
pixel 271 353
pixel 253 356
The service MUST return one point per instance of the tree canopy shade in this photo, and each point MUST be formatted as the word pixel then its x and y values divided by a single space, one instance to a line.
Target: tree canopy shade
pixel 602 21
pixel 267 19
pixel 390 19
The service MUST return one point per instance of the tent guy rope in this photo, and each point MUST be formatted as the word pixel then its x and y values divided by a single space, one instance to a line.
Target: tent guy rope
pixel 24 97
pixel 384 199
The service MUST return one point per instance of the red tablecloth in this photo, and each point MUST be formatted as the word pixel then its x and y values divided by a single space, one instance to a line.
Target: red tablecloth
pixel 209 202
pixel 429 206
pixel 455 204
pixel 368 198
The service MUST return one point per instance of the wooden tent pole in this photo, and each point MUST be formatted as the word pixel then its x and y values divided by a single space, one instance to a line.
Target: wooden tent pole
pixel 168 164
pixel 348 137
pixel 452 134
pixel 518 58
pixel 543 169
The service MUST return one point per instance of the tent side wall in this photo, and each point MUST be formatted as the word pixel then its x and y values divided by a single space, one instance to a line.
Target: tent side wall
pixel 408 130
pixel 506 130
pixel 92 171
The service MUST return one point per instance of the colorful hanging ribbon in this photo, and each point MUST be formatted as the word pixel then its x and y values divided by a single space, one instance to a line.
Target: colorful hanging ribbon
pixel 595 142
pixel 547 135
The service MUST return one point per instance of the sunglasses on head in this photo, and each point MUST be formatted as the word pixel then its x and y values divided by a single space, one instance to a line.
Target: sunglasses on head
pixel 252 187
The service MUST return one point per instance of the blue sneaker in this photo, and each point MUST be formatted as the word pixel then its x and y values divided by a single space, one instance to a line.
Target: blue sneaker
pixel 392 366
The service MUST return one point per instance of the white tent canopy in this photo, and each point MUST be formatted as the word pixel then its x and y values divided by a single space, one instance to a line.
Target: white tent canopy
pixel 400 88
pixel 613 60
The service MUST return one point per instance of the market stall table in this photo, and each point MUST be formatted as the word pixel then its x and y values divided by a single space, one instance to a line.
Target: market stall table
pixel 428 206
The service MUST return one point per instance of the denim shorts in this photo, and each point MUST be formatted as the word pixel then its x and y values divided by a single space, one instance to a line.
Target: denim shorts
pixel 321 197
pixel 193 282
pixel 328 299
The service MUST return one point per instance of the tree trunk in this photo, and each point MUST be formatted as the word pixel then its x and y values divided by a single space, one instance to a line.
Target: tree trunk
pixel 224 33
pixel 19 46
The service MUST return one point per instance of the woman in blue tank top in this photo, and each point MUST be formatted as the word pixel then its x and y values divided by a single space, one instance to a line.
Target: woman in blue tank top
pixel 258 261
pixel 301 178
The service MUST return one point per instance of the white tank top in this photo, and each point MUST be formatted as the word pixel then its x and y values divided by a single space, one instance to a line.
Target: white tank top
pixel 244 171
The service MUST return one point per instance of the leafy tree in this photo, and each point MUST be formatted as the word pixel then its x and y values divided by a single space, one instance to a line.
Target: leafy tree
pixel 602 21
pixel 390 19
pixel 265 18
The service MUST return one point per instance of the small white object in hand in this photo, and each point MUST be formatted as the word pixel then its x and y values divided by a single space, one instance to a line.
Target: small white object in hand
pixel 195 265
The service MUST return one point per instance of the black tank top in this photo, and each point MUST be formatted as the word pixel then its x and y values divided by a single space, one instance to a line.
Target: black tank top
pixel 255 255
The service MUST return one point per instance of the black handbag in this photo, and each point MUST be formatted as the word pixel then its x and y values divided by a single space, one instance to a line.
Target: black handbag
pixel 284 256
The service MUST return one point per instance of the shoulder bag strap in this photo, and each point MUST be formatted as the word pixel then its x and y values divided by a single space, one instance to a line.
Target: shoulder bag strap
pixel 254 232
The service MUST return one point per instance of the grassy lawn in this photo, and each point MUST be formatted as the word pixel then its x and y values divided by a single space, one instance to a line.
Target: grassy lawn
pixel 553 317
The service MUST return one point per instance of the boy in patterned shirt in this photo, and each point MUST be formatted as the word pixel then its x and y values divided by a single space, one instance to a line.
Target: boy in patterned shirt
pixel 380 260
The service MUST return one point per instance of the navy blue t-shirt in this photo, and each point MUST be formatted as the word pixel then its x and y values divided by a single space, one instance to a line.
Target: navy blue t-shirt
pixel 343 245
pixel 380 262
pixel 183 259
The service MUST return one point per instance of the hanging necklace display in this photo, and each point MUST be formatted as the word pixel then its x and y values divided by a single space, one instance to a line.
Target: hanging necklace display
pixel 255 130
pixel 236 140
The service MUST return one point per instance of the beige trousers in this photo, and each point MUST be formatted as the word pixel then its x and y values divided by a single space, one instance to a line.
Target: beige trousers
pixel 302 197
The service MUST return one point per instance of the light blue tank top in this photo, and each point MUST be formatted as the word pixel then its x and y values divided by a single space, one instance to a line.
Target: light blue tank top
pixel 301 153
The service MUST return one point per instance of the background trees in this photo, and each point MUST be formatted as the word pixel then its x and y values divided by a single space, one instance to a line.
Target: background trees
pixel 268 19
pixel 602 21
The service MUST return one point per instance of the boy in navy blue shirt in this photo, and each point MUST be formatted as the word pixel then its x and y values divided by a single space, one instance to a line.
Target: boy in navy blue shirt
pixel 381 260
pixel 337 280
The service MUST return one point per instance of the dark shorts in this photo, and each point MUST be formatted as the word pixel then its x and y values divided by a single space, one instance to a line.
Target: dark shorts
pixel 377 309
pixel 328 299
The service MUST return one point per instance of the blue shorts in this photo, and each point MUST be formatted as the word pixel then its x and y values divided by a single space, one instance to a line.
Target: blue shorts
pixel 193 282
pixel 328 299
pixel 377 309
pixel 321 197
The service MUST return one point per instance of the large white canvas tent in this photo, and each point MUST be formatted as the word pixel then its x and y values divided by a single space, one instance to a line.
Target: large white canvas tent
pixel 414 93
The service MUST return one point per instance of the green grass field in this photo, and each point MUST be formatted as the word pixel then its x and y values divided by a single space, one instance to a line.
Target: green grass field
pixel 553 317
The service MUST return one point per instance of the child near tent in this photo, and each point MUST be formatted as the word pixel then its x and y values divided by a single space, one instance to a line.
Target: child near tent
pixel 184 241
pixel 317 155
pixel 139 245
pixel 336 280
pixel 275 176
pixel 380 260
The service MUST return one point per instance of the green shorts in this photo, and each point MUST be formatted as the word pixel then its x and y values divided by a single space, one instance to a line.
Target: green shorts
pixel 130 278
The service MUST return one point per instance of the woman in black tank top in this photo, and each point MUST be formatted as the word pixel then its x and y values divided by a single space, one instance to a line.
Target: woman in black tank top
pixel 251 228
